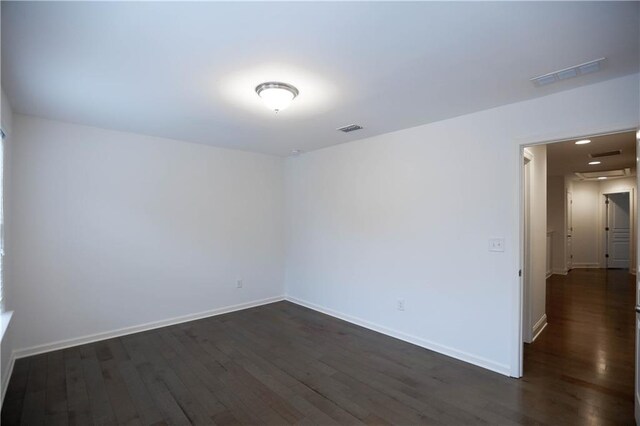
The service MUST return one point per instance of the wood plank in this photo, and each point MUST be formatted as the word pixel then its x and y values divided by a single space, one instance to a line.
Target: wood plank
pixel 56 392
pixel 123 406
pixel 172 411
pixel 78 406
pixel 16 391
pixel 101 410
pixel 33 410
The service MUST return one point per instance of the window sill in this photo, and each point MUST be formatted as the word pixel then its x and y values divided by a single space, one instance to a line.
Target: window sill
pixel 5 318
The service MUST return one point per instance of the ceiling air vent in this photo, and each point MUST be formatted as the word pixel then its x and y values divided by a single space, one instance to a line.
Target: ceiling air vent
pixel 349 128
pixel 606 154
pixel 563 74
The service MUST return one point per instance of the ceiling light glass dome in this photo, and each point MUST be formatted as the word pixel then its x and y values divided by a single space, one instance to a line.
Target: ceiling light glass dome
pixel 276 95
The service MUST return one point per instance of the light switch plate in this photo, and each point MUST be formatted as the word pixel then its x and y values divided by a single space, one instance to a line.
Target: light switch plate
pixel 496 244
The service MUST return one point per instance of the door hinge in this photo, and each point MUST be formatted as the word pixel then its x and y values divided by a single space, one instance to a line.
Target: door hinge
pixel 606 255
pixel 606 229
pixel 520 273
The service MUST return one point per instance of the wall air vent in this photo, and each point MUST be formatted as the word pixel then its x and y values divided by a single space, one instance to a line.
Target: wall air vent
pixel 570 72
pixel 606 154
pixel 349 128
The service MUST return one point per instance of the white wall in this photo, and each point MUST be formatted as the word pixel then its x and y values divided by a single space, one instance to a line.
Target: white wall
pixel 114 230
pixel 586 230
pixel 409 214
pixel 556 214
pixel 536 293
pixel 618 185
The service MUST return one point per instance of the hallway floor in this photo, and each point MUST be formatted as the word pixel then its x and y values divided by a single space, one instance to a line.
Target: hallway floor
pixel 587 351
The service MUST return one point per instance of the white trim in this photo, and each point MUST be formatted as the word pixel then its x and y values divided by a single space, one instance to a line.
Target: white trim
pixel 5 378
pixel 5 319
pixel 436 347
pixel 539 327
pixel 559 271
pixel 548 275
pixel 62 344
pixel 587 265
pixel 549 253
pixel 517 294
pixel 528 155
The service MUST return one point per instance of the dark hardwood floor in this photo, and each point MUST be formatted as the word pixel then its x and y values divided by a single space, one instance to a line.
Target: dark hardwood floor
pixel 587 351
pixel 283 364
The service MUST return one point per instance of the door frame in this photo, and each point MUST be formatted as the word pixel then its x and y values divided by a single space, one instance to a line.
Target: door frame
pixel 632 227
pixel 517 343
pixel 568 231
pixel 526 267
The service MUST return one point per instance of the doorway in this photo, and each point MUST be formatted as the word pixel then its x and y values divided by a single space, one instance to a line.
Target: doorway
pixel 617 230
pixel 590 209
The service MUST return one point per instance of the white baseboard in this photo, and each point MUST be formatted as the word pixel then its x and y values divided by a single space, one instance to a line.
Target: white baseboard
pixel 549 273
pixel 559 271
pixel 62 344
pixel 586 266
pixel 445 350
pixel 5 378
pixel 539 327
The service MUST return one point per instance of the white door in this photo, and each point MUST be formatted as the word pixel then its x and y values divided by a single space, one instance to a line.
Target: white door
pixel 569 231
pixel 618 230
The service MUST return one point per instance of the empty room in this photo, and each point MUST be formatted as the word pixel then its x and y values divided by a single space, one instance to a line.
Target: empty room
pixel 327 213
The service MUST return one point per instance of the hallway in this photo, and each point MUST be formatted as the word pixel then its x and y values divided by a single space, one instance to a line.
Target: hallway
pixel 586 353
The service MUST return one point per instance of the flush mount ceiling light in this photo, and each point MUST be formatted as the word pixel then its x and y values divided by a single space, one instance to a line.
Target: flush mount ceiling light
pixel 583 142
pixel 593 163
pixel 276 95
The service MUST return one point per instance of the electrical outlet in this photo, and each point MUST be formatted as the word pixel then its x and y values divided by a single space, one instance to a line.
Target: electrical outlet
pixel 239 284
pixel 400 304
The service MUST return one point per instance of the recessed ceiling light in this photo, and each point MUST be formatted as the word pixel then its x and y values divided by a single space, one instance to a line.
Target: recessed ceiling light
pixel 602 178
pixel 583 142
pixel 276 95
pixel 593 163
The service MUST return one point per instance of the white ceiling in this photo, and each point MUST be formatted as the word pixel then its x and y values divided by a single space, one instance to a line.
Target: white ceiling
pixel 564 158
pixel 188 70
